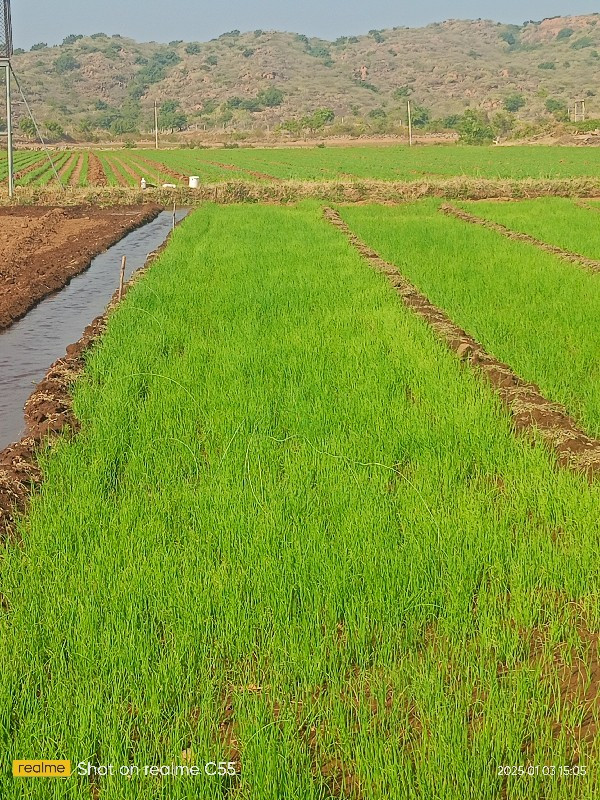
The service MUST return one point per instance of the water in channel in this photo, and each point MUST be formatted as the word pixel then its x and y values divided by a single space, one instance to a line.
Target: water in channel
pixel 33 343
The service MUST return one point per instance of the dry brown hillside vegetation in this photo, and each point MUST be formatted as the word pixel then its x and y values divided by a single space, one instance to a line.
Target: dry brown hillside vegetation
pixel 260 79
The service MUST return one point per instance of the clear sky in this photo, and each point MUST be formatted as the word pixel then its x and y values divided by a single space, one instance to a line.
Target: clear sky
pixel 200 20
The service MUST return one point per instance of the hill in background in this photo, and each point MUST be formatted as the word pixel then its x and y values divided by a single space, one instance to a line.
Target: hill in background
pixel 261 79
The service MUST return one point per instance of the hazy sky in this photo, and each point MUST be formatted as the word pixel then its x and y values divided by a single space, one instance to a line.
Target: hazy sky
pixel 199 20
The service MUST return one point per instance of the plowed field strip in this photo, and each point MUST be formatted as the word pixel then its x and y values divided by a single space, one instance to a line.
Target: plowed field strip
pixel 566 255
pixel 76 174
pixel 96 174
pixel 529 408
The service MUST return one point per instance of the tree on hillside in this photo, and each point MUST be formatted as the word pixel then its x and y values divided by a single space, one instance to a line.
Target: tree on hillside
pixel 271 97
pixel 318 120
pixel 514 102
pixel 72 38
pixel 65 63
pixel 503 123
pixel 27 127
pixel 564 33
pixel 558 108
pixel 55 129
pixel 420 116
pixel 171 116
pixel 475 128
pixel 127 118
pixel 377 36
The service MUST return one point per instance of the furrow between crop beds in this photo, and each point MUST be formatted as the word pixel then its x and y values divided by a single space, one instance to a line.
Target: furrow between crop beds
pixel 566 255
pixel 530 410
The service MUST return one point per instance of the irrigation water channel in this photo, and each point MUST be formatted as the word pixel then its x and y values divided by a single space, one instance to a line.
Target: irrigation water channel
pixel 31 345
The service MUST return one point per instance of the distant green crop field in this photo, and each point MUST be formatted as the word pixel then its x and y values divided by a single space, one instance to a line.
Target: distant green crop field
pixel 295 533
pixel 393 163
pixel 383 163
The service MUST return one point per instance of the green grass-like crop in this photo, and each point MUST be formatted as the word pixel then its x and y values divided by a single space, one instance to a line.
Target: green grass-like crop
pixel 83 175
pixel 44 173
pixel 348 164
pixel 394 163
pixel 21 161
pixel 528 308
pixel 109 168
pixel 295 527
pixel 557 221
pixel 65 178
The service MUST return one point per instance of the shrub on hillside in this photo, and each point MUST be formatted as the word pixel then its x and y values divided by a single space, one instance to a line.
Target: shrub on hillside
pixel 65 63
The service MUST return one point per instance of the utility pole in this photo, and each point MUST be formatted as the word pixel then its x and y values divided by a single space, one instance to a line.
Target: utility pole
pixel 156 124
pixel 6 51
pixel 409 124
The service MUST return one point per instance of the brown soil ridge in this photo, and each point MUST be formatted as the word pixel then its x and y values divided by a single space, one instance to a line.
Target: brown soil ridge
pixel 41 249
pixel 96 174
pixel 76 174
pixel 587 205
pixel 48 411
pixel 530 410
pixel 566 255
pixel 48 414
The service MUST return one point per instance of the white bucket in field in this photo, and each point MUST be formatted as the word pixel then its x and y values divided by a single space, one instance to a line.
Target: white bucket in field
pixel 194 181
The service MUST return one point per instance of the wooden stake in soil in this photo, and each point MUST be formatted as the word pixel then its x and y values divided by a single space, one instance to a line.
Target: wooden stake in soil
pixel 173 214
pixel 122 277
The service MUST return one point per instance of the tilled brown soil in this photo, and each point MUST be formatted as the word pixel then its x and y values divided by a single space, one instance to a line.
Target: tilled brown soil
pixel 573 258
pixel 530 410
pixel 96 174
pixel 42 248
pixel 74 181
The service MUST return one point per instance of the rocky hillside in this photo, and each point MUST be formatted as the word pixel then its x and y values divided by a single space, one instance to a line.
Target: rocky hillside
pixel 262 78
